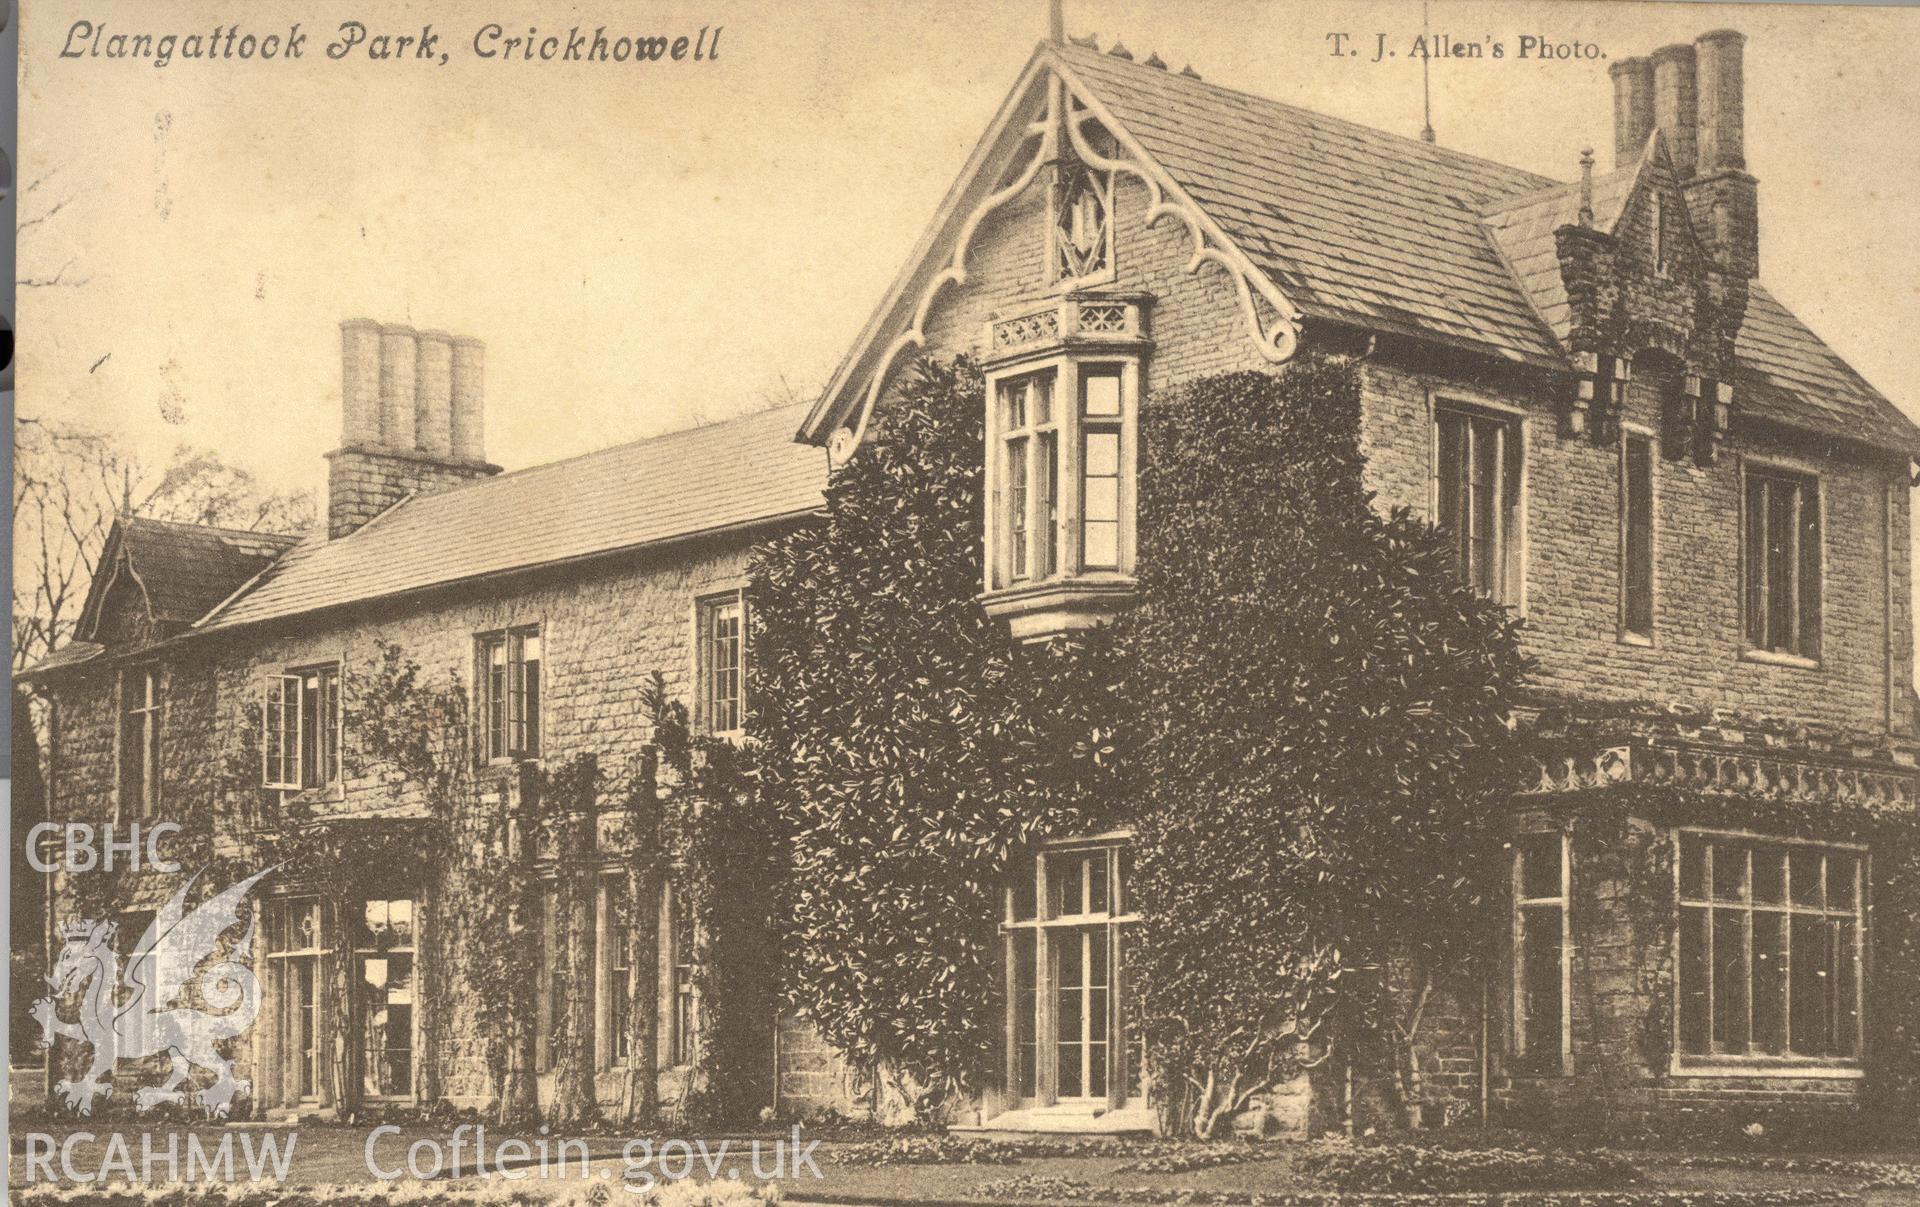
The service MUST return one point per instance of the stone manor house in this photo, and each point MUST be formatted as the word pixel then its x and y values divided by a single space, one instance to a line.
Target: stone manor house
pixel 1700 512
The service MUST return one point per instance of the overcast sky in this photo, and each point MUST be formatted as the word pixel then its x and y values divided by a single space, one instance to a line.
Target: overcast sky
pixel 644 247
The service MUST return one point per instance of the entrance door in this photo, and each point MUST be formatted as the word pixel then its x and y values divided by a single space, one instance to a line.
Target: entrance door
pixel 383 962
pixel 1064 926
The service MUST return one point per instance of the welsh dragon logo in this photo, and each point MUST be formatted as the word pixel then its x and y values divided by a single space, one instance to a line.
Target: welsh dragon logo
pixel 145 1022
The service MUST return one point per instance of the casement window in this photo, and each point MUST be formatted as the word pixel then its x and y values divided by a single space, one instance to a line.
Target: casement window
pixel 1072 1033
pixel 139 741
pixel 1542 948
pixel 1476 492
pixel 1772 949
pixel 721 663
pixel 1062 471
pixel 509 694
pixel 1636 536
pixel 1781 526
pixel 383 939
pixel 1082 227
pixel 294 952
pixel 300 739
pixel 683 1033
pixel 1100 392
pixel 1031 454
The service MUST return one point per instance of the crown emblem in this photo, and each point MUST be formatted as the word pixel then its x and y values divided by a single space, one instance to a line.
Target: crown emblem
pixel 75 929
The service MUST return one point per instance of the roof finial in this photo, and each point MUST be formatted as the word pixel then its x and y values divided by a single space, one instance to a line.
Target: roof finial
pixel 1426 87
pixel 1057 22
pixel 1586 186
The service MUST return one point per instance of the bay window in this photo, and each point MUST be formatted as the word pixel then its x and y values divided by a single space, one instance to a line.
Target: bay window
pixel 1772 950
pixel 1062 414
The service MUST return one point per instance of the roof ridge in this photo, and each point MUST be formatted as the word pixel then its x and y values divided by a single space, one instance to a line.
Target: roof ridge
pixel 253 533
pixel 1411 141
pixel 604 450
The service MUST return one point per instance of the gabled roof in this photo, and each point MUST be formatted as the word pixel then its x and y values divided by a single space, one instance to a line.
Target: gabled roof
pixel 1350 222
pixel 702 480
pixel 1376 230
pixel 182 569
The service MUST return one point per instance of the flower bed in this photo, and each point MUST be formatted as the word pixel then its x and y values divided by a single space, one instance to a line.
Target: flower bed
pixel 1407 1167
pixel 1028 1188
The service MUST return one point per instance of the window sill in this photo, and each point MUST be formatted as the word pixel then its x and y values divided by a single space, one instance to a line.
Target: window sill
pixel 1776 658
pixel 1640 640
pixel 1051 607
pixel 1763 1066
pixel 1069 1119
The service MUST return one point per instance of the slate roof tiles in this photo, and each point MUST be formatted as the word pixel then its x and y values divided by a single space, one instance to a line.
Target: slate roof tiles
pixel 684 483
pixel 1406 237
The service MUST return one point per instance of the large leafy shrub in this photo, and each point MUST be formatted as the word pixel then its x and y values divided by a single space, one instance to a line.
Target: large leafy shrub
pixel 911 746
pixel 1323 743
pixel 1309 713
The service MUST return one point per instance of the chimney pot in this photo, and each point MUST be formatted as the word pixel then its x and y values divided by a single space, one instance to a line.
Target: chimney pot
pixel 398 382
pixel 1675 104
pixel 469 412
pixel 433 409
pixel 359 383
pixel 1632 109
pixel 1722 100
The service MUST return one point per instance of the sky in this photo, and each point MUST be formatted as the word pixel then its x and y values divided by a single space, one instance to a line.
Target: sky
pixel 642 248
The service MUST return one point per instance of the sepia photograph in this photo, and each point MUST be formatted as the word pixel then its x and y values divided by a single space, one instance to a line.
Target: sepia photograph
pixel 712 602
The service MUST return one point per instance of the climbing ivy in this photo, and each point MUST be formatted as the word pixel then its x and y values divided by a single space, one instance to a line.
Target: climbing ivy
pixel 1302 721
pixel 910 747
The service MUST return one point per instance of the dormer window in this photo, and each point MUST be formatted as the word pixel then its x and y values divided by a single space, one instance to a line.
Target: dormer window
pixel 1082 226
pixel 1063 399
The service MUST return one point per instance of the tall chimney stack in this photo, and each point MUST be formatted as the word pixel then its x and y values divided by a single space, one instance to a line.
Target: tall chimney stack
pixel 1722 199
pixel 1721 73
pixel 410 419
pixel 1632 109
pixel 1675 104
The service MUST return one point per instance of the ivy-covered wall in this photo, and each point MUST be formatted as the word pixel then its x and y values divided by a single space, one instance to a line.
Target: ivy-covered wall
pixel 606 631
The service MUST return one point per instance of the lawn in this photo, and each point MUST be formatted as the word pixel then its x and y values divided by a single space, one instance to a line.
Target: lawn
pixel 937 1170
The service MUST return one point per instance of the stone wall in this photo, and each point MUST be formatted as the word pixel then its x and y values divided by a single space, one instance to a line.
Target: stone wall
pixel 1572 560
pixel 605 630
